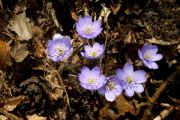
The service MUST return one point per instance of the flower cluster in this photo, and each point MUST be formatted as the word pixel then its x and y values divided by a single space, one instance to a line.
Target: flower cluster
pixel 125 80
pixel 88 29
pixel 111 89
pixel 131 80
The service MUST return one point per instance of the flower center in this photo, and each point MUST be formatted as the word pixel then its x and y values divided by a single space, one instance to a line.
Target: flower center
pixel 129 79
pixel 111 85
pixel 88 30
pixel 91 81
pixel 147 56
pixel 93 54
pixel 60 50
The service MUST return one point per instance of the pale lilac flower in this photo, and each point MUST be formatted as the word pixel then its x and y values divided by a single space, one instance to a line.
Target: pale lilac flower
pixel 131 80
pixel 88 29
pixel 93 52
pixel 91 79
pixel 148 54
pixel 59 48
pixel 111 89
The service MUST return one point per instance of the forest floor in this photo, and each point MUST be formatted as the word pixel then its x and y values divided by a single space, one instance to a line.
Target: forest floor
pixel 33 87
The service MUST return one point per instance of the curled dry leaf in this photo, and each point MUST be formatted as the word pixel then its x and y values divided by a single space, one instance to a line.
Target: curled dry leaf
pixel 11 103
pixel 60 114
pixel 130 37
pixel 38 37
pixel 39 50
pixel 75 60
pixel 2 117
pixel 74 15
pixel 104 14
pixel 5 58
pixel 56 93
pixel 36 117
pixel 106 113
pixel 115 8
pixel 123 106
pixel 21 26
pixel 19 51
pixel 162 42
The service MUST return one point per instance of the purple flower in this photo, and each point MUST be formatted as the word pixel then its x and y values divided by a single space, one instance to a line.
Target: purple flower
pixel 131 80
pixel 94 52
pixel 148 54
pixel 111 89
pixel 59 49
pixel 88 29
pixel 91 79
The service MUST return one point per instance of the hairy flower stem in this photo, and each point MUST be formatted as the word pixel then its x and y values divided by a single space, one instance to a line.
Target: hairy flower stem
pixel 61 83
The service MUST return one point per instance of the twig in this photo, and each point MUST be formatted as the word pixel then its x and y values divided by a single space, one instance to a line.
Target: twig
pixel 164 113
pixel 105 45
pixel 72 75
pixel 162 42
pixel 1 5
pixel 159 91
pixel 153 99
pixel 141 104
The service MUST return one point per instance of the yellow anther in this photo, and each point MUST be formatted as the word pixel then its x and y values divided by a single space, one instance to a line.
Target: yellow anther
pixel 111 85
pixel 129 79
pixel 94 54
pixel 88 30
pixel 147 56
pixel 60 50
pixel 91 81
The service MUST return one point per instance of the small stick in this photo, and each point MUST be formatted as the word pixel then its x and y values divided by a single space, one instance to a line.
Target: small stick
pixel 164 113
pixel 154 98
pixel 1 5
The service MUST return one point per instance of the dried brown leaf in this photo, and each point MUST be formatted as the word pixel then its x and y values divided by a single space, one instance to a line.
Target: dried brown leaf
pixel 11 103
pixel 21 25
pixel 75 60
pixel 36 117
pixel 123 106
pixel 162 42
pixel 39 50
pixel 2 117
pixel 130 37
pixel 106 113
pixel 60 114
pixel 74 15
pixel 56 93
pixel 5 58
pixel 19 51
pixel 115 8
